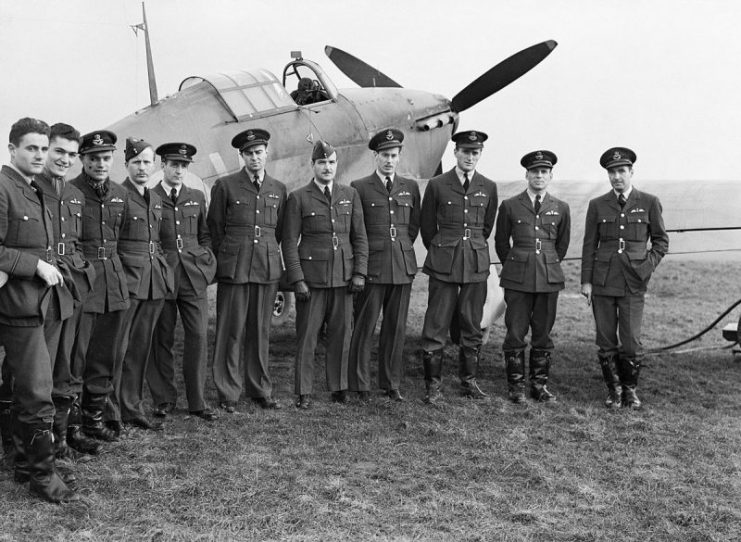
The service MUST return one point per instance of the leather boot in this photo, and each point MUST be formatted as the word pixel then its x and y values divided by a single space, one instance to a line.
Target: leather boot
pixel 61 421
pixel 21 468
pixel 468 359
pixel 6 433
pixel 609 364
pixel 629 371
pixel 45 480
pixel 540 366
pixel 75 437
pixel 432 363
pixel 515 366
pixel 92 418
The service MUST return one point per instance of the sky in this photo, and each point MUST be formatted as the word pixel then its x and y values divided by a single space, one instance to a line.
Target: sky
pixel 659 76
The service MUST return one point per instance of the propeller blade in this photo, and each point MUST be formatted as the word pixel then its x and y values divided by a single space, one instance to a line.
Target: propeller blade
pixel 502 75
pixel 362 74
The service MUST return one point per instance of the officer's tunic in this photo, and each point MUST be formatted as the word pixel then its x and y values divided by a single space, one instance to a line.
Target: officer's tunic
pixel 149 280
pixel 245 228
pixel 617 261
pixel 531 247
pixel 333 247
pixel 26 236
pixel 103 312
pixel 391 224
pixel 60 326
pixel 186 241
pixel 455 226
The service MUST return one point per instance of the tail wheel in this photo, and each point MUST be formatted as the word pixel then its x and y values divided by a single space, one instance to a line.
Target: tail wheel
pixel 282 306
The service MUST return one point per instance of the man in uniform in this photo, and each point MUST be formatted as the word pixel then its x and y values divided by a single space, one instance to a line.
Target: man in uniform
pixel 187 244
pixel 616 267
pixel 391 207
pixel 27 258
pixel 103 312
pixel 246 220
pixel 325 269
pixel 458 212
pixel 149 279
pixel 532 237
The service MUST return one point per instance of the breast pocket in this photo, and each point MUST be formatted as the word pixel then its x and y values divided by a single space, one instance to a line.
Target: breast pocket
pixel 402 209
pixel 114 215
pixel 376 212
pixel 138 226
pixel 452 212
pixel 25 231
pixel 316 220
pixel 270 211
pixel 549 225
pixel 73 219
pixel 607 226
pixel 239 211
pixel 344 212
pixel 637 228
pixel 477 208
pixel 189 219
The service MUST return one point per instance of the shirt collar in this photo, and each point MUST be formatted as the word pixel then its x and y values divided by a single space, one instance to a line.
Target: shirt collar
pixel 531 195
pixel 321 186
pixel 460 172
pixel 23 175
pixel 251 176
pixel 168 187
pixel 382 177
pixel 626 193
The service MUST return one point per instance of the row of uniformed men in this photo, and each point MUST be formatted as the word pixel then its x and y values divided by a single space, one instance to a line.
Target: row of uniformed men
pixel 326 231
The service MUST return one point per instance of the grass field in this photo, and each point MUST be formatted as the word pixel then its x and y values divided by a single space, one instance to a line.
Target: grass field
pixel 466 470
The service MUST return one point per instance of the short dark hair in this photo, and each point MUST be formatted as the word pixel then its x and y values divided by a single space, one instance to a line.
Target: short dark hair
pixel 64 131
pixel 27 125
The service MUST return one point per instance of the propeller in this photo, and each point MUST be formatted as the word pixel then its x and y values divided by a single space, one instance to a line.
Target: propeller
pixel 502 75
pixel 362 74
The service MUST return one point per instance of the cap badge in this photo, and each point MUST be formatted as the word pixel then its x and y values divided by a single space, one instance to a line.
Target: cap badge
pixel 250 136
pixel 97 140
pixel 183 150
pixel 617 156
pixel 389 135
pixel 538 155
pixel 472 136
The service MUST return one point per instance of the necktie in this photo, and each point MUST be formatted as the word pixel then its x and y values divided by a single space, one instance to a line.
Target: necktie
pixel 173 196
pixel 388 184
pixel 327 194
pixel 58 186
pixel 621 200
pixel 537 204
pixel 256 182
pixel 37 189
pixel 466 184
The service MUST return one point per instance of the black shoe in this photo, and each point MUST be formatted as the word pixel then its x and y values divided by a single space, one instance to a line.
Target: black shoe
pixel 631 400
pixel 230 407
pixel 364 396
pixel 266 403
pixel 517 397
pixel 394 395
pixel 163 410
pixel 339 397
pixel 115 426
pixel 101 432
pixel 207 414
pixel 303 402
pixel 471 389
pixel 542 395
pixel 142 423
pixel 78 441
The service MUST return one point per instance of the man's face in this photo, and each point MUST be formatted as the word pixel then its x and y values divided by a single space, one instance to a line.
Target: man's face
pixel 538 178
pixel 175 171
pixel 467 158
pixel 620 177
pixel 62 154
pixel 29 155
pixel 140 167
pixel 325 169
pixel 97 165
pixel 255 158
pixel 387 160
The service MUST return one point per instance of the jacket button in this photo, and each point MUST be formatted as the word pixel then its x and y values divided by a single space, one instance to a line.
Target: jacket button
pixel 622 227
pixel 25 218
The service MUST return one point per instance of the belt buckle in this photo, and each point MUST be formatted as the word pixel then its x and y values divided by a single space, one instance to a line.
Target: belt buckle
pixel 621 245
pixel 392 232
pixel 538 246
pixel 60 249
pixel 335 241
pixel 49 255
pixel 258 232
pixel 101 253
pixel 179 243
pixel 467 233
pixel 151 247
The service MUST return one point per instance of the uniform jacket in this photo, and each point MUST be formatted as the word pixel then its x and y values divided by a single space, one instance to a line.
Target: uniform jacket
pixel 324 244
pixel 246 228
pixel 455 227
pixel 101 220
pixel 25 237
pixel 615 255
pixel 392 225
pixel 147 274
pixel 66 212
pixel 185 238
pixel 532 246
